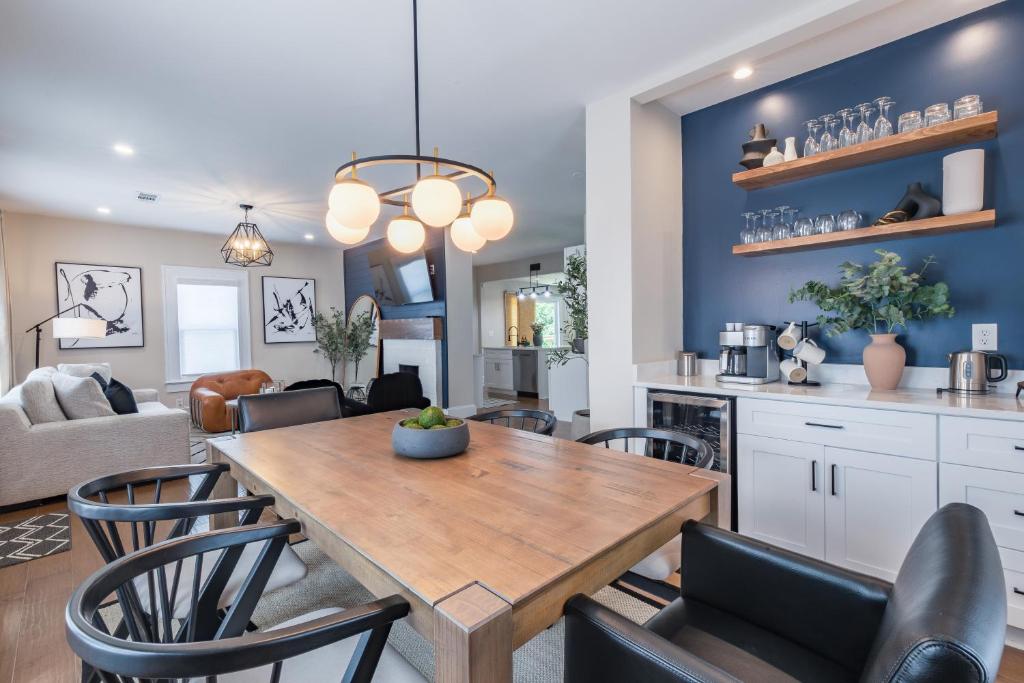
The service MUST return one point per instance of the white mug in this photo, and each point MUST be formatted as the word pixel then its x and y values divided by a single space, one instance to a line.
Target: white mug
pixel 809 352
pixel 789 337
pixel 792 370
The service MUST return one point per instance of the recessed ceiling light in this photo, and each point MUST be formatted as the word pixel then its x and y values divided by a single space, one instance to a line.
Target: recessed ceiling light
pixel 308 236
pixel 124 150
pixel 103 209
pixel 742 72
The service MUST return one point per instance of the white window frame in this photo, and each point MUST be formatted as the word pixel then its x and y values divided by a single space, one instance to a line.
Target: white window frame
pixel 175 275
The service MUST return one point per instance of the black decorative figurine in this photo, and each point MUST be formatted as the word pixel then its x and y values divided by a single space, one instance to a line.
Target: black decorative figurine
pixel 755 149
pixel 915 205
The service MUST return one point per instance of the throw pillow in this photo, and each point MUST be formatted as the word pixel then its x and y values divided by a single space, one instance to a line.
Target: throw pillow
pixel 86 370
pixel 81 397
pixel 121 398
pixel 38 399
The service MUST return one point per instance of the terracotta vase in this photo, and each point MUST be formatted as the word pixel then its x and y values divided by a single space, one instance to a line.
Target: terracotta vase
pixel 884 361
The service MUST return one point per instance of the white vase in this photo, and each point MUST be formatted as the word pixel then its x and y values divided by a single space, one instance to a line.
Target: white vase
pixel 790 153
pixel 774 157
pixel 963 181
pixel 580 424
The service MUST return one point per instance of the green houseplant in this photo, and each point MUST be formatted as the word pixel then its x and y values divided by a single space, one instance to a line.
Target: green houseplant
pixel 880 298
pixel 360 330
pixel 573 290
pixel 331 340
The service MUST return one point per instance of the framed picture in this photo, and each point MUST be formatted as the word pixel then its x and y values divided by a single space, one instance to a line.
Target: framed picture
pixel 289 304
pixel 109 293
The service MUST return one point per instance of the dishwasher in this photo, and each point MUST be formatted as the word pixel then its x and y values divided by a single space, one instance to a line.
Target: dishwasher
pixel 524 372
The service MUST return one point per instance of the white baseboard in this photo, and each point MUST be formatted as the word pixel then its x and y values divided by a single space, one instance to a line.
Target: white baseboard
pixel 461 411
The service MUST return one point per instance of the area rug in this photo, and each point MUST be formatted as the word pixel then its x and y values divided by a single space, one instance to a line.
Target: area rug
pixel 33 537
pixel 497 402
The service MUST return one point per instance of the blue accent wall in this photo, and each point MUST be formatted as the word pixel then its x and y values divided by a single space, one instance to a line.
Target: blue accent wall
pixel 359 281
pixel 981 53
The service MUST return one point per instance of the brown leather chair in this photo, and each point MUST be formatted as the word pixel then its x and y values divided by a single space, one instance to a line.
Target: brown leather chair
pixel 209 392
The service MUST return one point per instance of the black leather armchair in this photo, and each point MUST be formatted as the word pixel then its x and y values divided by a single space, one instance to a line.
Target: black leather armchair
pixel 752 612
pixel 394 391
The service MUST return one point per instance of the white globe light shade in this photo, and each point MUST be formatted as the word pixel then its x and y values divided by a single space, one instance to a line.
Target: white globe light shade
pixel 406 234
pixel 492 217
pixel 344 234
pixel 436 201
pixel 354 204
pixel 465 236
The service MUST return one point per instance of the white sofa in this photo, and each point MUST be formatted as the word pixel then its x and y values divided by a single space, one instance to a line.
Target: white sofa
pixel 44 460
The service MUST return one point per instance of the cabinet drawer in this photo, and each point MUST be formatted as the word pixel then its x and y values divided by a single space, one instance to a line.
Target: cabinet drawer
pixel 1000 495
pixel 1013 571
pixel 910 435
pixel 498 354
pixel 995 444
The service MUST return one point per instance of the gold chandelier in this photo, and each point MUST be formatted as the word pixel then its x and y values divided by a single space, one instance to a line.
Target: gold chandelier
pixel 436 199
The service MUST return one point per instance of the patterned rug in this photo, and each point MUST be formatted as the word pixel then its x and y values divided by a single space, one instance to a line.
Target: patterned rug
pixel 497 402
pixel 34 537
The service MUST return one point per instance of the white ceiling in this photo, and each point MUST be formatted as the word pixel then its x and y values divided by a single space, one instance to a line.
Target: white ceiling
pixel 259 101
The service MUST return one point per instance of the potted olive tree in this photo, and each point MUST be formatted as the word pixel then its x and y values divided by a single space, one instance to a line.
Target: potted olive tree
pixel 880 299
pixel 331 340
pixel 358 335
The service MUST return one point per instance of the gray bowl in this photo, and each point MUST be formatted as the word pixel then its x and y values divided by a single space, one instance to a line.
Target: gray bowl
pixel 430 443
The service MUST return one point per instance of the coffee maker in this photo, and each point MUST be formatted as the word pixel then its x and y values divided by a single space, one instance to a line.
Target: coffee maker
pixel 748 354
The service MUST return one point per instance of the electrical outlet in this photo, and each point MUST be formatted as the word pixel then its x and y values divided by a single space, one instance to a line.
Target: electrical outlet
pixel 985 337
pixel 179 403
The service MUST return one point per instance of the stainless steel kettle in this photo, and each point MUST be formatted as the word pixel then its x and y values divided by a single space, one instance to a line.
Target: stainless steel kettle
pixel 972 371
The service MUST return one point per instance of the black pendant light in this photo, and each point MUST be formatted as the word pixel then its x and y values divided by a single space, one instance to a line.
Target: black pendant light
pixel 246 246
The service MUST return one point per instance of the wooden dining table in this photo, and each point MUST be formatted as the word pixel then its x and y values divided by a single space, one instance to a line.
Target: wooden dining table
pixel 486 546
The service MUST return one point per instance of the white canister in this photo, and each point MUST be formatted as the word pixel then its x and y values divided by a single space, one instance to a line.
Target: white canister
pixel 790 152
pixel 963 181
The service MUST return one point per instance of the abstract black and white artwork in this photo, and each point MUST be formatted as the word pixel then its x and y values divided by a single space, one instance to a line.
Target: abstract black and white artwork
pixel 289 304
pixel 109 293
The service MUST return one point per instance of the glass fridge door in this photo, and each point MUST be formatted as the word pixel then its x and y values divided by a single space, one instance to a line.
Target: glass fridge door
pixel 706 417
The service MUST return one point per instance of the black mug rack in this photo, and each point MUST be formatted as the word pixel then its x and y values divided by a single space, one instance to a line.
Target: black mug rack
pixel 804 328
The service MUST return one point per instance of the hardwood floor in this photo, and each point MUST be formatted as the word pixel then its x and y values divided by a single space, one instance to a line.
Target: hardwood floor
pixel 562 431
pixel 33 596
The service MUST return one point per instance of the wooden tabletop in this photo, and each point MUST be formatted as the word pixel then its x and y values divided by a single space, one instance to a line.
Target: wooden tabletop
pixel 516 514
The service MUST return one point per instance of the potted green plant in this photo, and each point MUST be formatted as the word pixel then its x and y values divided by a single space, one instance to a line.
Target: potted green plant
pixel 573 290
pixel 880 299
pixel 331 340
pixel 358 334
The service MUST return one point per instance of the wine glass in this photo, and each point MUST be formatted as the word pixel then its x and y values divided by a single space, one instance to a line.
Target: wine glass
pixel 810 144
pixel 827 142
pixel 824 223
pixel 803 227
pixel 864 130
pixel 780 231
pixel 846 136
pixel 748 233
pixel 883 126
pixel 768 219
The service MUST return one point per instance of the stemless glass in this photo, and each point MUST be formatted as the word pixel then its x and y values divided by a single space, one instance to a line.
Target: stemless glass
pixel 768 219
pixel 781 231
pixel 810 144
pixel 936 114
pixel 827 142
pixel 748 233
pixel 910 120
pixel 864 131
pixel 803 227
pixel 968 105
pixel 883 126
pixel 824 223
pixel 846 136
pixel 848 220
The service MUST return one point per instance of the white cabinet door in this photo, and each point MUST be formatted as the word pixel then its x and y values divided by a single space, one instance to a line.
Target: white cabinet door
pixel 780 486
pixel 874 506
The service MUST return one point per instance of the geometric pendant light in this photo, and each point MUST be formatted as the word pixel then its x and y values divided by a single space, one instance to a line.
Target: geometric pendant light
pixel 246 245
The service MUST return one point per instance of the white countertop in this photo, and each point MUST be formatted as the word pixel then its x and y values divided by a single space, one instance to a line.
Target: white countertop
pixel 523 348
pixel 1003 406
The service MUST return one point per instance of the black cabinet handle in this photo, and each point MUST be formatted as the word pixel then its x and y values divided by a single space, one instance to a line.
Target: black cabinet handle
pixel 1018 591
pixel 1018 513
pixel 814 475
pixel 826 426
pixel 1018 448
pixel 833 480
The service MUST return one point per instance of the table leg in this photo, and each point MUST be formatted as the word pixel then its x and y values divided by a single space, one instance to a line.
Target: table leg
pixel 226 487
pixel 473 638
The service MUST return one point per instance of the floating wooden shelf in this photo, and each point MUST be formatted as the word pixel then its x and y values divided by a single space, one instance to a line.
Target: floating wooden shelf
pixel 878 233
pixel 951 134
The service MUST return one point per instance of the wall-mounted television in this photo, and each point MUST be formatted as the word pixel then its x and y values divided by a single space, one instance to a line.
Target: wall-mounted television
pixel 400 279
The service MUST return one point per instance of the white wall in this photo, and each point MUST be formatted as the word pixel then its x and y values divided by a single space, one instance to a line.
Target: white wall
pixel 634 248
pixel 34 243
pixel 461 321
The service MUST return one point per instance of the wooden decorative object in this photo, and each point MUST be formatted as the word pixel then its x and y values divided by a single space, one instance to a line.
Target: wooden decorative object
pixel 412 328
pixel 876 233
pixel 950 134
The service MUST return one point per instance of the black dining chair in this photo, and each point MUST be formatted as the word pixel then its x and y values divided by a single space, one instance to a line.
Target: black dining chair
pixel 129 511
pixel 349 407
pixel 663 444
pixel 257 412
pixel 537 421
pixel 651 573
pixel 749 611
pixel 333 644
